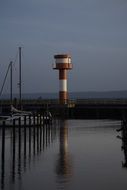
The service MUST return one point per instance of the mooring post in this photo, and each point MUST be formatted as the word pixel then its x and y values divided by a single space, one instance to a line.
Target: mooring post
pixel 43 118
pixel 48 133
pixel 34 137
pixel 52 133
pixel 13 159
pixel 3 156
pixel 43 136
pixel 13 123
pixel 34 119
pixel 37 119
pixel 19 121
pixel 13 137
pixel 19 147
pixel 3 137
pixel 25 147
pixel 38 137
pixel 24 120
pixel 29 120
pixel 40 119
pixel 29 140
pixel 24 140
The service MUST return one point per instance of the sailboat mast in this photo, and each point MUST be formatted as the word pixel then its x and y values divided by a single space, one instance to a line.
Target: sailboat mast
pixel 11 82
pixel 20 79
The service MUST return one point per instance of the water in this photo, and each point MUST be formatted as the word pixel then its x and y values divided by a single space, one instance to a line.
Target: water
pixel 70 154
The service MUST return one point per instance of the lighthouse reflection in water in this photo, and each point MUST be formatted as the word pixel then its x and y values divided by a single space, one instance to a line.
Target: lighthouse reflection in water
pixel 69 154
pixel 64 161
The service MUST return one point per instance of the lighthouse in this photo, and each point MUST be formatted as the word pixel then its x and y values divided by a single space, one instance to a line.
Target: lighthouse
pixel 62 63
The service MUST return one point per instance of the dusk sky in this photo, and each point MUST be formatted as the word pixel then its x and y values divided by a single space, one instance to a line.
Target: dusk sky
pixel 93 32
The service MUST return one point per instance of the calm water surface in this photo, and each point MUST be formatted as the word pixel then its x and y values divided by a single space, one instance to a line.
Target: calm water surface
pixel 70 154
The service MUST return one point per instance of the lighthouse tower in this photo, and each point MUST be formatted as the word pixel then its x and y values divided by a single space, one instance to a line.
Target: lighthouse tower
pixel 62 63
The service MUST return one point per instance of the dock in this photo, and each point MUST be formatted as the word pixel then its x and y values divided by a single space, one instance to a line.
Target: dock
pixel 75 109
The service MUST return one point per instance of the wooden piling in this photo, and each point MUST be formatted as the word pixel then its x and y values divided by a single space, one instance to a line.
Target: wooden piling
pixel 13 158
pixel 3 137
pixel 25 147
pixel 34 138
pixel 37 119
pixel 43 136
pixel 19 121
pixel 38 137
pixel 34 119
pixel 24 139
pixel 29 140
pixel 25 120
pixel 40 119
pixel 3 156
pixel 29 120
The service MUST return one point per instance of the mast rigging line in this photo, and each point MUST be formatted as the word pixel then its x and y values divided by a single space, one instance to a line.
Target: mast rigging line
pixel 5 78
pixel 10 66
